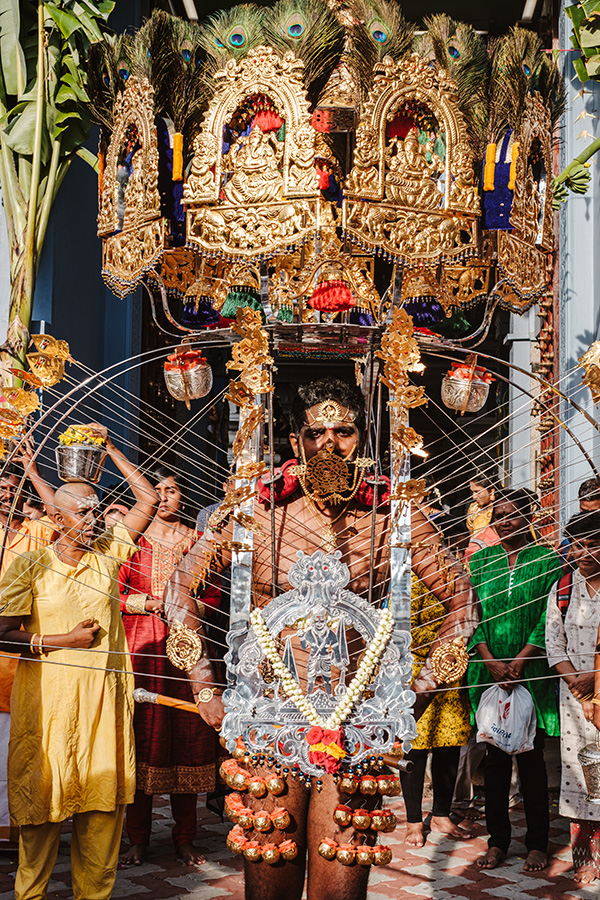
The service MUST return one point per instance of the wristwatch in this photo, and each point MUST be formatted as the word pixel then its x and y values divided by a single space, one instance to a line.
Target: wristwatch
pixel 205 695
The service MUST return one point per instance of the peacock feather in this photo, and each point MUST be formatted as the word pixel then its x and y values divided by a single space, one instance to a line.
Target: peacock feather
pixel 457 48
pixel 314 33
pixel 109 65
pixel 168 53
pixel 380 30
pixel 231 33
pixel 520 67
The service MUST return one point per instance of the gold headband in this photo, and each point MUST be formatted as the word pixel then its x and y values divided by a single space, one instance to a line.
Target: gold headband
pixel 331 413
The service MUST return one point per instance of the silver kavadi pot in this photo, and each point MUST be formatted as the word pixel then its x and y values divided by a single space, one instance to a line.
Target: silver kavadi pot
pixel 589 759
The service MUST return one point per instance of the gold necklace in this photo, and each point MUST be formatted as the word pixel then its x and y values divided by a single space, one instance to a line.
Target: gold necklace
pixel 328 535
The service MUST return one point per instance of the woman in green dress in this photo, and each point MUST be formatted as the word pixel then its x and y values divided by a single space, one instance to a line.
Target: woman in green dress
pixel 513 580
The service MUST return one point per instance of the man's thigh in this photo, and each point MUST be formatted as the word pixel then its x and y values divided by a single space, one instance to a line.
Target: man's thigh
pixel 329 879
pixel 285 880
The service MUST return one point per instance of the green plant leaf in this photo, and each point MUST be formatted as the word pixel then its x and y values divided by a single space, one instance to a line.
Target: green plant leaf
pixel 66 21
pixel 580 69
pixel 12 57
pixel 20 131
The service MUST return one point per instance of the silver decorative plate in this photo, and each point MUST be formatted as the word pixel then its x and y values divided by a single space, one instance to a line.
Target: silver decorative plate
pixel 318 620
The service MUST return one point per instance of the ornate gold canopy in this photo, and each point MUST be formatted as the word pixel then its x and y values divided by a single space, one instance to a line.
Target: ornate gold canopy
pixel 523 252
pixel 412 192
pixel 257 193
pixel 129 218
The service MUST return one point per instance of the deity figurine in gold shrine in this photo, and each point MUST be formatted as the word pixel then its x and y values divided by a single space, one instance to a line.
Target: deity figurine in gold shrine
pixel 255 159
pixel 410 179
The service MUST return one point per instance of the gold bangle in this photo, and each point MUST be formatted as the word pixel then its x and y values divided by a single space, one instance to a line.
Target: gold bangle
pixel 449 661
pixel 587 697
pixel 205 695
pixel 184 646
pixel 595 701
pixel 136 604
pixel 41 645
pixel 31 643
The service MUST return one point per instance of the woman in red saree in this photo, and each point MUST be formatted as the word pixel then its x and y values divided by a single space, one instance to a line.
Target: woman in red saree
pixel 176 751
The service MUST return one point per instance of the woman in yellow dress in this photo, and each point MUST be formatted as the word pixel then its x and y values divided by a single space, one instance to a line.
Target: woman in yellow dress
pixel 442 729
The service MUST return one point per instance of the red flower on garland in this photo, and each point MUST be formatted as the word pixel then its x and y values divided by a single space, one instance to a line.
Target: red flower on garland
pixel 326 748
pixel 314 735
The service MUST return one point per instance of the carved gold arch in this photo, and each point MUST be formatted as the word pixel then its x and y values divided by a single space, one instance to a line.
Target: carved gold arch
pixel 524 252
pixel 134 107
pixel 129 219
pixel 262 194
pixel 395 202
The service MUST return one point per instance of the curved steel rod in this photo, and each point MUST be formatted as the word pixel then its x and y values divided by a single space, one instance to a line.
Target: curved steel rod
pixel 448 345
pixel 519 387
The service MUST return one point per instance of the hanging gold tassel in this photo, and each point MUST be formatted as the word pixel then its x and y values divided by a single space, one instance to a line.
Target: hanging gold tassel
pixel 177 156
pixel 101 164
pixel 489 171
pixel 513 166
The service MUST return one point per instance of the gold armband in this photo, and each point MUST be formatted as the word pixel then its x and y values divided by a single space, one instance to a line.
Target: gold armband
pixel 136 604
pixel 184 646
pixel 449 661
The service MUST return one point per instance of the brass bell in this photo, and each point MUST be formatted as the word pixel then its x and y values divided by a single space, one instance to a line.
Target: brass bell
pixel 275 785
pixel 252 851
pixel 280 817
pixel 342 816
pixel 348 784
pixel 361 819
pixel 245 817
pixel 288 850
pixel 378 820
pixel 262 820
pixel 346 854
pixel 257 786
pixel 382 856
pixel 239 781
pixel 271 854
pixel 328 848
pixel 364 856
pixel 368 785
pixel 384 784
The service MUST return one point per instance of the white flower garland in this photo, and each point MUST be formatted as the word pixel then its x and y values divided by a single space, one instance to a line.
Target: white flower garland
pixel 364 673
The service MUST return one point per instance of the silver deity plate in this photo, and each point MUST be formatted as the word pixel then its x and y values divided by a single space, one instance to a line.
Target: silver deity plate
pixel 320 627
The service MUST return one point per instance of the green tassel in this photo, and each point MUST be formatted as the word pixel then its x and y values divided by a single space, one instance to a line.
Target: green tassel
pixel 454 325
pixel 240 298
pixel 285 314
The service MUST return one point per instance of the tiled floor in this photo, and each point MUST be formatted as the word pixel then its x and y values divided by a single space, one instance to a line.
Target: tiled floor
pixel 443 869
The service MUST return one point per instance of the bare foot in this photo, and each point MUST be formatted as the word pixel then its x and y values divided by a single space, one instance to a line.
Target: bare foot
pixel 134 856
pixel 491 859
pixel 414 834
pixel 536 861
pixel 188 854
pixel 583 876
pixel 444 825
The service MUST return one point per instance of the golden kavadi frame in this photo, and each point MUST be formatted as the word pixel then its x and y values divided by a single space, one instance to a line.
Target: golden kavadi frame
pixel 129 220
pixel 401 197
pixel 524 252
pixel 260 195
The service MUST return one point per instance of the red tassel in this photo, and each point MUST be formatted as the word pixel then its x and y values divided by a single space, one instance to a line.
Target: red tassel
pixel 399 127
pixel 332 296
pixel 323 176
pixel 267 121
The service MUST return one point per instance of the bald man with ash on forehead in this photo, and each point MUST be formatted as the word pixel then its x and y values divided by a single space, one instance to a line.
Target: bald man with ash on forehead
pixel 71 748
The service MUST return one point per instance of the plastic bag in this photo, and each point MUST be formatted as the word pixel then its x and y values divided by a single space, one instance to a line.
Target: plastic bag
pixel 507 719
